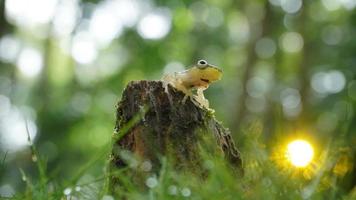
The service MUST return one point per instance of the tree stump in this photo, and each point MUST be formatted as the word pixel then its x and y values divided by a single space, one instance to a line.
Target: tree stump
pixel 151 123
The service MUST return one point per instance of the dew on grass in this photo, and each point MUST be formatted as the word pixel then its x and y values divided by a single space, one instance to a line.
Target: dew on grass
pixel 77 188
pixel 34 158
pixel 208 164
pixel 24 178
pixel 67 191
pixel 186 192
pixel 172 190
pixel 151 182
pixel 146 166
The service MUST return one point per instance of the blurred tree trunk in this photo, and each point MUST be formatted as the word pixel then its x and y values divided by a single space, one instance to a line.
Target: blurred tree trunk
pixel 166 128
pixel 251 62
pixel 305 65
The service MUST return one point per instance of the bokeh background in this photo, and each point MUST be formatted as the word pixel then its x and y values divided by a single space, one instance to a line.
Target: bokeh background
pixel 289 69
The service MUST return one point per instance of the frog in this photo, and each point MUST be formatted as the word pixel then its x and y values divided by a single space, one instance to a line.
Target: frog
pixel 193 81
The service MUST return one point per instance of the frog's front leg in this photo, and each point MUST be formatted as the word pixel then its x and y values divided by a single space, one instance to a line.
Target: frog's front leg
pixel 167 79
pixel 187 92
pixel 200 98
pixel 174 80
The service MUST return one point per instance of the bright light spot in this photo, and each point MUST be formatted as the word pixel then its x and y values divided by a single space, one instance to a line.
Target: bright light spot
pixel 146 166
pixel 80 103
pixel 9 48
pixel 127 11
pixel 292 42
pixel 291 6
pixel 84 50
pixel 30 62
pixel 111 62
pixel 300 153
pixel 129 158
pixel 173 67
pixel 106 65
pixel 334 81
pixel 257 86
pixel 265 48
pixel 291 102
pixel 13 133
pixel 67 191
pixel 104 25
pixel 331 35
pixel 328 82
pixel 239 29
pixel 67 13
pixel 331 5
pixel 186 192
pixel 214 17
pixel 77 188
pixel 290 98
pixel 208 164
pixel 172 190
pixel 30 13
pixel 317 82
pixel 348 4
pixel 155 25
pixel 151 182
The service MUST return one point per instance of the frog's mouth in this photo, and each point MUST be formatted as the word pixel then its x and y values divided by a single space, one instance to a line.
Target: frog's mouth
pixel 205 80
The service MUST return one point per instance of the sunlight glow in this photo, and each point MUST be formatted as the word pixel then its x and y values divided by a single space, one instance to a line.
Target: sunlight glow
pixel 105 25
pixel 291 101
pixel 239 29
pixel 265 48
pixel 30 62
pixel 9 48
pixel 300 153
pixel 66 16
pixel 291 42
pixel 155 25
pixel 291 6
pixel 330 82
pixel 30 13
pixel 84 50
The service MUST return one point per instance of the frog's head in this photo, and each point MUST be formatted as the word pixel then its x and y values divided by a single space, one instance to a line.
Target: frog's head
pixel 208 73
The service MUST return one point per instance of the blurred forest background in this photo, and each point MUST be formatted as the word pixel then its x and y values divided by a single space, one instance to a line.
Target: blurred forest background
pixel 289 69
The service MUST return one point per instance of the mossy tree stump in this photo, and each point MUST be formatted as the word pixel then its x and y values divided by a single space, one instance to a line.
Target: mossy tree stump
pixel 151 123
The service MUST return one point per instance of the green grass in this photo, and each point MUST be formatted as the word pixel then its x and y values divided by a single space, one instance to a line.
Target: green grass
pixel 265 177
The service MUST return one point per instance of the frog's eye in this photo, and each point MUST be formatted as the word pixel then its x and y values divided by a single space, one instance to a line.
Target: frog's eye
pixel 202 64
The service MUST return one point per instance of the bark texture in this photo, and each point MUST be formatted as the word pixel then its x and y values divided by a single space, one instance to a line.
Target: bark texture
pixel 151 123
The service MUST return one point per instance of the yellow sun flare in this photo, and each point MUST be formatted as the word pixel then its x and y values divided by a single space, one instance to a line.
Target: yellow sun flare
pixel 300 153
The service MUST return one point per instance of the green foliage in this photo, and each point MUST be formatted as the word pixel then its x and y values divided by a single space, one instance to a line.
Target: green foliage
pixel 263 178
